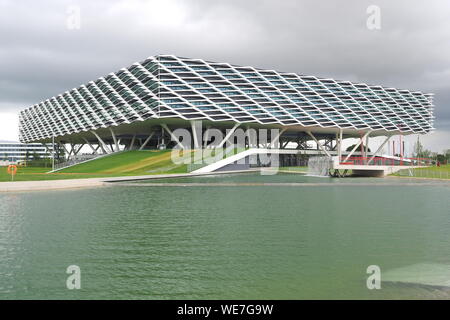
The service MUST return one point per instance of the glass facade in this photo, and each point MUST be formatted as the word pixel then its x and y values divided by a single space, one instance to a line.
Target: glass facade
pixel 15 151
pixel 167 86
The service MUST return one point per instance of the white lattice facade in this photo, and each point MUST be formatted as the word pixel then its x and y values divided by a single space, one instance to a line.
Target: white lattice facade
pixel 167 86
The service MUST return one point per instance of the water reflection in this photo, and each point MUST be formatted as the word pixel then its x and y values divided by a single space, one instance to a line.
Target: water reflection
pixel 208 242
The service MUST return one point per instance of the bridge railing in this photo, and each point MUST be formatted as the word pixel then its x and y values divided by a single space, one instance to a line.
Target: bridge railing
pixel 384 161
pixel 75 160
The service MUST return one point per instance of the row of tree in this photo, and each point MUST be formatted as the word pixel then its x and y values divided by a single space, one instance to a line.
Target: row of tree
pixel 421 152
pixel 33 160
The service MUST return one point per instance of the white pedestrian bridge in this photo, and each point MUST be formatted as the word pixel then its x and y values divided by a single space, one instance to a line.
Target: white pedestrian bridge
pixel 370 165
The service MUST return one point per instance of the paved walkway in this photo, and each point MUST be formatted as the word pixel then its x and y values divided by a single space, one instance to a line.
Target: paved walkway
pixel 19 186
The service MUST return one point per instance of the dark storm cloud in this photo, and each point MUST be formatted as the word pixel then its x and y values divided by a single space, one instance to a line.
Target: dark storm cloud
pixel 40 57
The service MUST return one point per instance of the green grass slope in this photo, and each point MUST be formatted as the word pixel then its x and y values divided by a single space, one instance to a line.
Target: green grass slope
pixel 130 163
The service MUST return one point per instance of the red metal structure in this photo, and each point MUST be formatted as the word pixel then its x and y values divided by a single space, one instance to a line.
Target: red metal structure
pixel 383 161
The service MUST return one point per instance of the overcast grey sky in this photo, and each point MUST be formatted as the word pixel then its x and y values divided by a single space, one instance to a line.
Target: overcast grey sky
pixel 41 57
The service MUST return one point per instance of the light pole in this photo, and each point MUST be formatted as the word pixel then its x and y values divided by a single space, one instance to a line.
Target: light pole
pixel 53 151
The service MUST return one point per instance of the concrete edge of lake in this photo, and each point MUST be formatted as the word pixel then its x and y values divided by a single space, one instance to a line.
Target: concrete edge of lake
pixel 418 178
pixel 41 185
pixel 18 186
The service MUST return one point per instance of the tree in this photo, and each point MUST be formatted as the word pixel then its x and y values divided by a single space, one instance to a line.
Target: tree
pixel 27 157
pixel 419 151
pixel 441 158
pixel 60 154
pixel 447 155
pixel 36 156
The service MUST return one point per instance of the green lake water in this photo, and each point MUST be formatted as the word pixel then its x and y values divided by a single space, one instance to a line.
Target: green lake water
pixel 229 242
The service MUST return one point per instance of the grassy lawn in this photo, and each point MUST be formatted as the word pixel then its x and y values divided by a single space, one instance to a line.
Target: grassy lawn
pixel 38 173
pixel 129 163
pixel 442 172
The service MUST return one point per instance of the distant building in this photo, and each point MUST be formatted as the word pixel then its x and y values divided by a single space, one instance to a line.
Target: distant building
pixel 12 152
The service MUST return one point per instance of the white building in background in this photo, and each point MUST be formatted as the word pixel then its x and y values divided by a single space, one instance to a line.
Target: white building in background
pixel 12 152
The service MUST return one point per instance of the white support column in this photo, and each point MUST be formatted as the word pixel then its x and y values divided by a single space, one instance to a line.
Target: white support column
pixel 65 149
pixel 379 149
pixel 319 144
pixel 70 151
pixel 206 137
pixel 220 145
pixel 146 141
pixel 77 150
pixel 356 146
pixel 196 133
pixel 132 142
pixel 53 152
pixel 116 143
pixel 174 138
pixel 366 150
pixel 103 147
pixel 90 145
pixel 339 144
pixel 101 142
pixel 275 141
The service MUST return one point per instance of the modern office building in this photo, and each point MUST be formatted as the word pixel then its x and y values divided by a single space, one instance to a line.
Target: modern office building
pixel 130 107
pixel 14 152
